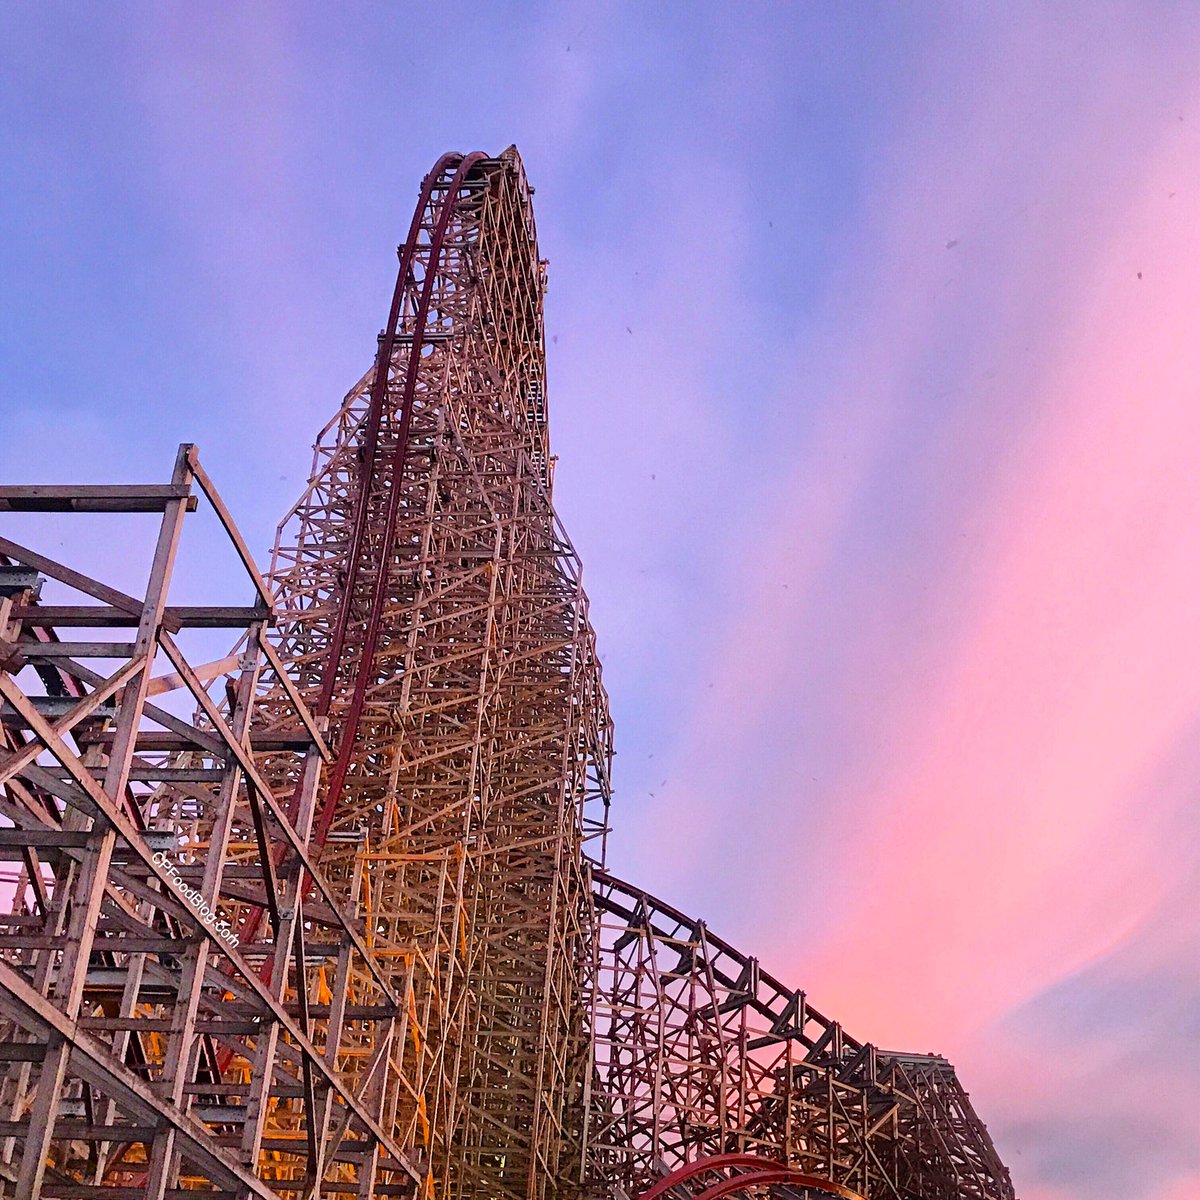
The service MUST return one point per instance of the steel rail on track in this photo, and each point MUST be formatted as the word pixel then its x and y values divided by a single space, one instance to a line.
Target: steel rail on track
pixel 784 994
pixel 379 389
pixel 757 1172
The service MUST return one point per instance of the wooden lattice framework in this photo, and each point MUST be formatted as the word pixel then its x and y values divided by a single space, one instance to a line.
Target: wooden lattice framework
pixel 156 1036
pixel 432 609
pixel 700 1052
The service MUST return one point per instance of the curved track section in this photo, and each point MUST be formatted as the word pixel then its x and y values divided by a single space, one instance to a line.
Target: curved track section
pixel 700 1052
pixel 432 611
pixel 720 1175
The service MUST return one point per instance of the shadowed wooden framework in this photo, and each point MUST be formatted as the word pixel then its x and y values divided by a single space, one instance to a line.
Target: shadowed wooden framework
pixel 700 1052
pixel 152 1043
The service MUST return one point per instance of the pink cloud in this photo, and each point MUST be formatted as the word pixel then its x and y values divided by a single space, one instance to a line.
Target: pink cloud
pixel 1003 850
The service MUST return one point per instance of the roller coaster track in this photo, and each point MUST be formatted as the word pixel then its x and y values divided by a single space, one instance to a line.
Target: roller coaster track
pixel 338 923
pixel 356 628
pixel 431 607
pixel 717 1175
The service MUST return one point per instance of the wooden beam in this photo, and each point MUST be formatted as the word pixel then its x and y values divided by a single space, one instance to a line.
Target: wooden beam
pixel 92 497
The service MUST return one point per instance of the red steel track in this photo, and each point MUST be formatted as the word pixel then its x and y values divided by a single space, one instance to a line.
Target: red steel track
pixel 371 481
pixel 379 389
pixel 745 1171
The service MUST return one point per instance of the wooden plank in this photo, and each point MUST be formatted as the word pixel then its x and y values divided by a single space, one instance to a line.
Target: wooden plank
pixel 91 497
pixel 36 651
pixel 89 616
pixel 214 498
pixel 75 579
pixel 41 839
pixel 294 696
pixel 206 673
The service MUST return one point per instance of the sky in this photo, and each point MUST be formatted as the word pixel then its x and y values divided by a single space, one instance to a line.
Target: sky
pixel 874 379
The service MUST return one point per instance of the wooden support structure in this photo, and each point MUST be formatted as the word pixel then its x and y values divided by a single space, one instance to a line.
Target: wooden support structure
pixel 328 915
pixel 700 1052
pixel 430 606
pixel 148 1051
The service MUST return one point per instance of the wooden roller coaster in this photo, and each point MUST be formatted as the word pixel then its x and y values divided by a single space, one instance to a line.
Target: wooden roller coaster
pixel 327 914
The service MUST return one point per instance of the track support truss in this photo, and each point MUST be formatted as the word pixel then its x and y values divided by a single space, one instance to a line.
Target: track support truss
pixel 150 806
